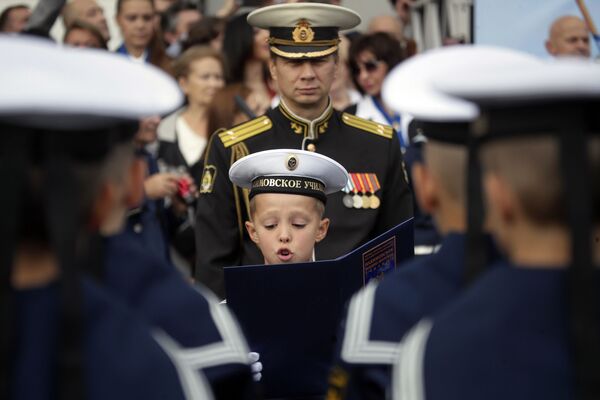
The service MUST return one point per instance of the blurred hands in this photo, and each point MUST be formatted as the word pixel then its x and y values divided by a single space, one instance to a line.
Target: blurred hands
pixel 160 185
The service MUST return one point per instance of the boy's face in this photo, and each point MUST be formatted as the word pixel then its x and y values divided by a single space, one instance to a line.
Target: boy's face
pixel 286 227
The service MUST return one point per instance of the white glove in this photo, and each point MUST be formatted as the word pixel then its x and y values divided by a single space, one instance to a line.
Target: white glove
pixel 255 366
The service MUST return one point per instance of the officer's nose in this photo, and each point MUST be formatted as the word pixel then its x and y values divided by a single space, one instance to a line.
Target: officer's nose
pixel 307 71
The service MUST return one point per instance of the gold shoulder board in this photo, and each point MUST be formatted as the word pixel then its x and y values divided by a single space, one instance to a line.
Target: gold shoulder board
pixel 245 131
pixel 373 127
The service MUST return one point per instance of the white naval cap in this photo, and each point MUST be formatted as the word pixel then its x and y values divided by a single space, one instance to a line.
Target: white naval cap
pixel 48 86
pixel 304 30
pixel 289 171
pixel 420 85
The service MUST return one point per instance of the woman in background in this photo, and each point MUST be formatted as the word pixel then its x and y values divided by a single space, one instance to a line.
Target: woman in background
pixel 247 53
pixel 141 43
pixel 183 136
pixel 372 57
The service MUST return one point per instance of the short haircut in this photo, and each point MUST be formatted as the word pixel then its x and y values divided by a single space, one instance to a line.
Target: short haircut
pixel 319 207
pixel 181 66
pixel 531 166
pixel 383 46
pixel 448 162
pixel 89 176
pixel 6 13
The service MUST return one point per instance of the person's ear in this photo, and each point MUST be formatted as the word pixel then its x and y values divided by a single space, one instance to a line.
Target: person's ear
pixel 501 199
pixel 549 47
pixel 183 84
pixel 273 69
pixel 322 230
pixel 102 207
pixel 135 183
pixel 425 188
pixel 252 231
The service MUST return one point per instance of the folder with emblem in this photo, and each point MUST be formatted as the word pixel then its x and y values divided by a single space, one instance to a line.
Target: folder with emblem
pixel 290 313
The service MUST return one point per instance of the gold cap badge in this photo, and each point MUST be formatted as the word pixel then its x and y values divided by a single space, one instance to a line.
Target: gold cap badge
pixel 292 163
pixel 303 33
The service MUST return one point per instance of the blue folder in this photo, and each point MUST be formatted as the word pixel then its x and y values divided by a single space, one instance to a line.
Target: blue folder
pixel 290 313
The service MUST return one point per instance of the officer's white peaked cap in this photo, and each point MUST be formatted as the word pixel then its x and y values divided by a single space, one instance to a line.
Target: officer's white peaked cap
pixel 304 30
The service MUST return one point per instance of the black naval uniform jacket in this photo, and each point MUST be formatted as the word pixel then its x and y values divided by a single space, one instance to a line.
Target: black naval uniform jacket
pixel 361 146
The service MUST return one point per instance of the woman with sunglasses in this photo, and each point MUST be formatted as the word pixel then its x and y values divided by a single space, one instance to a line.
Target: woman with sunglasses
pixel 372 56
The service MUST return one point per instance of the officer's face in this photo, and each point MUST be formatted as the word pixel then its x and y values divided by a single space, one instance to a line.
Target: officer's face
pixel 304 84
pixel 286 227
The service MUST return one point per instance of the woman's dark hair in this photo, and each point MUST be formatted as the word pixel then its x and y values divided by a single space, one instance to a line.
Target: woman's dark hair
pixel 238 45
pixel 383 46
pixel 204 31
pixel 223 107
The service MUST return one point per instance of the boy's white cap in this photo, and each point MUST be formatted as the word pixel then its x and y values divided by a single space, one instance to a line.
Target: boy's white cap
pixel 289 171
pixel 48 86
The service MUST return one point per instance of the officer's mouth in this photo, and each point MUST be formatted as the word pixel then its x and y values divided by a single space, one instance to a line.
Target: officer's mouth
pixel 307 91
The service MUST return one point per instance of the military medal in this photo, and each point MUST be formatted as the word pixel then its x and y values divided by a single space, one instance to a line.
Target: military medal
pixel 358 197
pixel 363 189
pixel 375 202
pixel 374 186
pixel 348 200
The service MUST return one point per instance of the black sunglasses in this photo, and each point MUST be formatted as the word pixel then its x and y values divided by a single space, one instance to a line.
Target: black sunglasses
pixel 369 66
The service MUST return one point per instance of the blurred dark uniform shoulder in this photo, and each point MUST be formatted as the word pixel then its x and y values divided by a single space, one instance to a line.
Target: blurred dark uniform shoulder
pixel 190 317
pixel 364 148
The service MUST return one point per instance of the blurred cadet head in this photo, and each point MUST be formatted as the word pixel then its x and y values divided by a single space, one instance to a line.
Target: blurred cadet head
pixel 14 18
pixel 83 34
pixel 568 36
pixel 177 19
pixel 87 11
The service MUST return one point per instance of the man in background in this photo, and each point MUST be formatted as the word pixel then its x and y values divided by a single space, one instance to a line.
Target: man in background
pixel 568 36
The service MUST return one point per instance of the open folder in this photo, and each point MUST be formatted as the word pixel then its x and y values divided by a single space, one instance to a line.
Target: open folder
pixel 290 313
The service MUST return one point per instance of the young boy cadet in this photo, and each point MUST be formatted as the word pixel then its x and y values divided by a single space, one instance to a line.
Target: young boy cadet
pixel 380 315
pixel 529 328
pixel 303 40
pixel 68 169
pixel 288 193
